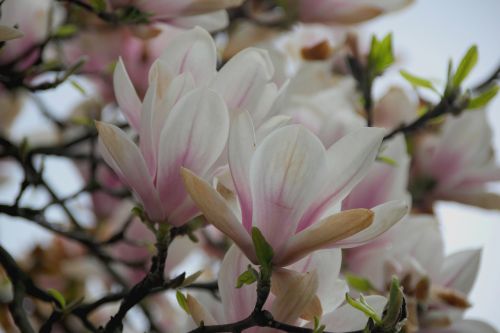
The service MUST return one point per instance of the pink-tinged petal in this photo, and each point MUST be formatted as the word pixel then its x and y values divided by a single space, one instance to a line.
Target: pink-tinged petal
pixel 327 263
pixel 295 295
pixel 244 78
pixel 194 135
pixel 348 319
pixel 146 130
pixel 211 21
pixel 284 174
pixel 126 160
pixel 217 212
pixel 460 270
pixel 349 160
pixel 192 51
pixel 241 146
pixel 384 182
pixel 176 89
pixel 326 233
pixel 238 303
pixel 198 312
pixel 126 96
pixel 386 215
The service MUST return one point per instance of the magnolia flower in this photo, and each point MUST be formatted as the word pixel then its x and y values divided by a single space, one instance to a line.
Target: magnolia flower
pixel 346 12
pixel 244 82
pixel 299 292
pixel 184 119
pixel 185 13
pixel 32 20
pixel 287 184
pixel 457 163
pixel 436 284
pixel 189 130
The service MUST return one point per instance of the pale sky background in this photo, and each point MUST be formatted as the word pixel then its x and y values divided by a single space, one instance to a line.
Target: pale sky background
pixel 425 36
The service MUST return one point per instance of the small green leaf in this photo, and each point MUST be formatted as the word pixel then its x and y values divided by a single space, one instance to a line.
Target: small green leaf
pixel 387 160
pixel 417 81
pixel 364 307
pixel 98 5
pixel 381 55
pixel 58 297
pixel 359 283
pixel 263 250
pixel 182 301
pixel 78 87
pixel 190 279
pixel 395 312
pixel 247 277
pixel 466 65
pixel 318 328
pixel 65 31
pixel 483 99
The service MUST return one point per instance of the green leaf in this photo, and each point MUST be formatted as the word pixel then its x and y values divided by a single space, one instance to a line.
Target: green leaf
pixel 247 277
pixel 98 5
pixel 417 81
pixel 395 313
pixel 387 160
pixel 359 283
pixel 190 279
pixel 78 87
pixel 364 307
pixel 483 99
pixel 65 31
pixel 182 301
pixel 466 65
pixel 318 328
pixel 58 297
pixel 381 55
pixel 263 250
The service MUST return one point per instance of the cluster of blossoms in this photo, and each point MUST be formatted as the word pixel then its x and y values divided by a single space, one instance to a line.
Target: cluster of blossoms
pixel 270 190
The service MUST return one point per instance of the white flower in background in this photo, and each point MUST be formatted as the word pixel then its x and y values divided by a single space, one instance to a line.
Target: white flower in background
pixel 457 163
pixel 436 285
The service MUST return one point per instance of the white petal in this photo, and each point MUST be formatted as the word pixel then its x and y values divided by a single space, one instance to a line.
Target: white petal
pixel 384 182
pixel 217 212
pixel 126 160
pixel 349 161
pixel 460 270
pixel 126 96
pixel 241 146
pixel 386 215
pixel 469 326
pixel 348 319
pixel 192 51
pixel 237 303
pixel 194 136
pixel 243 79
pixel 283 175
